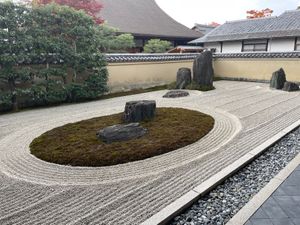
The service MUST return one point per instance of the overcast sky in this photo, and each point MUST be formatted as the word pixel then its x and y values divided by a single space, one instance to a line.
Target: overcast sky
pixel 189 12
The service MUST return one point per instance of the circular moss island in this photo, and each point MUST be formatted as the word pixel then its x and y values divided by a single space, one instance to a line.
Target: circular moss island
pixel 76 144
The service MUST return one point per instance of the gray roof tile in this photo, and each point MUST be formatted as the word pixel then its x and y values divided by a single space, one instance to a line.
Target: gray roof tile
pixel 285 25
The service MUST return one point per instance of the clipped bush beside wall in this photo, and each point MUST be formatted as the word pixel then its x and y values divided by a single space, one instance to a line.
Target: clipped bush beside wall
pixel 48 55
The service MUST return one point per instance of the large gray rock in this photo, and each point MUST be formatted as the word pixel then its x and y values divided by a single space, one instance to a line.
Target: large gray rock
pixel 290 86
pixel 137 111
pixel 184 78
pixel 278 79
pixel 121 132
pixel 176 94
pixel 203 73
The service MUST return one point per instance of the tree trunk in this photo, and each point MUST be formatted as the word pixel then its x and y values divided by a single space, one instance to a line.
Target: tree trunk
pixel 14 103
pixel 47 78
pixel 74 69
pixel 12 88
pixel 74 76
pixel 64 79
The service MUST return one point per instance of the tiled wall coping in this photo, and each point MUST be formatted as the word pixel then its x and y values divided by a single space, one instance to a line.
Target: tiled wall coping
pixel 259 55
pixel 119 58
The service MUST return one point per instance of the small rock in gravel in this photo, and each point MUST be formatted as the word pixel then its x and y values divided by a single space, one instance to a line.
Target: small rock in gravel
pixel 176 94
pixel 290 86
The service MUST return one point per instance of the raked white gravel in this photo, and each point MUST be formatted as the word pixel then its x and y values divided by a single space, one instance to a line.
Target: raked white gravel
pixel 36 192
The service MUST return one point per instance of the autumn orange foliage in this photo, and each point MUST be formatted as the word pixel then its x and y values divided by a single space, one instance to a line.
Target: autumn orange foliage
pixel 91 7
pixel 214 24
pixel 259 13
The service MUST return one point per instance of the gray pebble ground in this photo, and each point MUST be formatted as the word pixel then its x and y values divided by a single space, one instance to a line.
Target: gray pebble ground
pixel 222 203
pixel 33 192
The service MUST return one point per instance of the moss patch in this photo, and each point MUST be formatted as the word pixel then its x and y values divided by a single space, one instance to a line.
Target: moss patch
pixel 193 86
pixel 134 92
pixel 76 144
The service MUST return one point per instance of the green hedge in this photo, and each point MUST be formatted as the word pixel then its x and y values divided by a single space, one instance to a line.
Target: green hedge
pixel 49 55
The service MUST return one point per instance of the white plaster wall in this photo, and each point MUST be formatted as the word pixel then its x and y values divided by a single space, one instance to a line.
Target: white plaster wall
pixel 274 45
pixel 228 47
pixel 281 45
pixel 215 45
pixel 232 47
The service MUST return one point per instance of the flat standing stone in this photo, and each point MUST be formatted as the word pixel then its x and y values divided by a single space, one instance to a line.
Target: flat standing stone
pixel 203 73
pixel 121 132
pixel 176 94
pixel 278 79
pixel 137 111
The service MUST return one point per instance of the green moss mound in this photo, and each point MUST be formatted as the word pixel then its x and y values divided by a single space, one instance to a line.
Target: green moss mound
pixel 193 86
pixel 76 144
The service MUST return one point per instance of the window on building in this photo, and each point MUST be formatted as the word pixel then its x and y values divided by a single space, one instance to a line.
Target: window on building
pixel 139 42
pixel 297 44
pixel 213 50
pixel 255 45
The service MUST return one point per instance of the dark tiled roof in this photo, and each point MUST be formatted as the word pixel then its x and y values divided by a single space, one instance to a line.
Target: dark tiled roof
pixel 285 25
pixel 204 29
pixel 143 17
pixel 116 58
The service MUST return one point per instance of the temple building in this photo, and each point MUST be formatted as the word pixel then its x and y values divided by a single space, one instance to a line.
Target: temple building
pixel 145 20
pixel 270 34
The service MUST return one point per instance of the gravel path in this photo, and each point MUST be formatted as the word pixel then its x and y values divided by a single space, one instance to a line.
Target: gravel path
pixel 36 192
pixel 222 203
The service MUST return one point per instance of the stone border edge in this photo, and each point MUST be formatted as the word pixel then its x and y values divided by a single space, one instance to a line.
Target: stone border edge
pixel 258 200
pixel 185 201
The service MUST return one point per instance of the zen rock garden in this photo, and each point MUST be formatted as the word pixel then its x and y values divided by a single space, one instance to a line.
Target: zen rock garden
pixel 139 111
pixel 203 75
pixel 135 112
pixel 127 173
pixel 279 82
pixel 129 151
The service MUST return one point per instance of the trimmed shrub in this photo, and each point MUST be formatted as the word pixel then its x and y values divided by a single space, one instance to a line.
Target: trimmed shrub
pixel 157 46
pixel 49 55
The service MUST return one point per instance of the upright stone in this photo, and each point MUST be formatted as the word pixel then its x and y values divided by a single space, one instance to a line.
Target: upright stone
pixel 203 72
pixel 184 78
pixel 290 86
pixel 136 111
pixel 278 79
